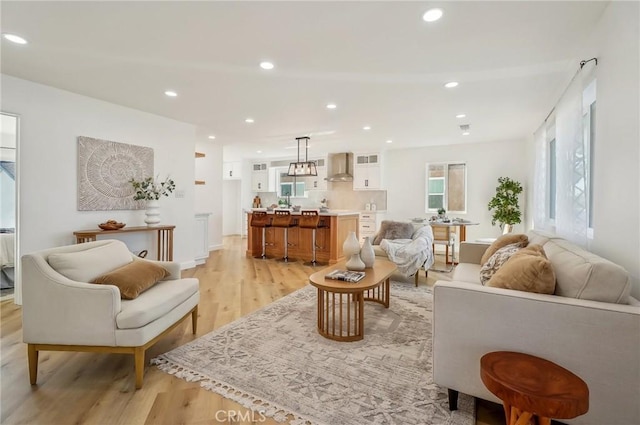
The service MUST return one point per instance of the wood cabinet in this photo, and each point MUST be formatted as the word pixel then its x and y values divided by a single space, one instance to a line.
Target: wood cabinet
pixel 232 170
pixel 329 239
pixel 259 177
pixel 367 173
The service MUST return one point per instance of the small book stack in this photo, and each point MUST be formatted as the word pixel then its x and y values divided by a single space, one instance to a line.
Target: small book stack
pixel 345 275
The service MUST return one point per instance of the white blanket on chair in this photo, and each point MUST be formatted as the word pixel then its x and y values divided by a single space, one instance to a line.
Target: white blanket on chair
pixel 410 254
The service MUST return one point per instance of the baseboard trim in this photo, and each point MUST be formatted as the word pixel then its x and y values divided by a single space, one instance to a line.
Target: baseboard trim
pixel 215 247
pixel 188 264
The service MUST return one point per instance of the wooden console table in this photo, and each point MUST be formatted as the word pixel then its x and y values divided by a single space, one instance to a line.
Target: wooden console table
pixel 164 233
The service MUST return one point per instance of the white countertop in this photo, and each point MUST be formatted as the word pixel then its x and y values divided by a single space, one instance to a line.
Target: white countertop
pixel 328 213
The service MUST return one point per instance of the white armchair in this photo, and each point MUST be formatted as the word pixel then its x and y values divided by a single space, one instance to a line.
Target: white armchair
pixel 63 312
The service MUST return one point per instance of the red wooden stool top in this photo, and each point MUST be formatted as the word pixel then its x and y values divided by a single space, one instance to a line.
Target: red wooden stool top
pixel 534 385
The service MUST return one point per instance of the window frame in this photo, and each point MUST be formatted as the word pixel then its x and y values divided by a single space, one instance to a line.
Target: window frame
pixel 446 164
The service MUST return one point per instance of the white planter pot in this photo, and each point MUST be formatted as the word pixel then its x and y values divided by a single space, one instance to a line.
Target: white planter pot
pixel 152 213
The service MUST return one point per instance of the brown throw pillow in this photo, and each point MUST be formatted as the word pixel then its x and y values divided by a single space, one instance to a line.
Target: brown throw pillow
pixel 496 261
pixel 504 240
pixel 134 278
pixel 393 230
pixel 527 270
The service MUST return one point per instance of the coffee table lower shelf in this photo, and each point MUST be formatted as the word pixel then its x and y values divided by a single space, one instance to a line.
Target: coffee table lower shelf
pixel 341 304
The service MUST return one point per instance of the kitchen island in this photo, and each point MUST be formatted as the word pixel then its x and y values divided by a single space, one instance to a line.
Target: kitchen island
pixel 329 239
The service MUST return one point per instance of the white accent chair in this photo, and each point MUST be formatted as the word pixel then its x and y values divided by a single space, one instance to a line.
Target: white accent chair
pixel 62 312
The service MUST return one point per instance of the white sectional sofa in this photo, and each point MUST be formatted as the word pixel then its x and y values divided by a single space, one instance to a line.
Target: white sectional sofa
pixel 590 326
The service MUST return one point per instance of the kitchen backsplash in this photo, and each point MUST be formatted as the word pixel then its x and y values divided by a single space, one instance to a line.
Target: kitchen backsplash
pixel 341 196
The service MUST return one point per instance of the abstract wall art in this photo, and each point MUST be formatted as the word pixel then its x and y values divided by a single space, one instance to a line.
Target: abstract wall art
pixel 104 171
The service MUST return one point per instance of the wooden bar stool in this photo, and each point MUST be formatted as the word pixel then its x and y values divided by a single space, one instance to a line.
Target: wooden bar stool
pixel 310 219
pixel 530 386
pixel 284 219
pixel 261 219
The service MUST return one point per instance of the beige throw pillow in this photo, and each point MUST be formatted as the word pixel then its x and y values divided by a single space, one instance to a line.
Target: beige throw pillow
pixel 527 270
pixel 134 278
pixel 504 240
pixel 493 264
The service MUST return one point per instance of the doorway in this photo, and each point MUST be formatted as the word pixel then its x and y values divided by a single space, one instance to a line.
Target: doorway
pixel 9 125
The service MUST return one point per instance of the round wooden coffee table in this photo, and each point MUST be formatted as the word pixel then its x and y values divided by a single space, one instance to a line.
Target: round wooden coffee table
pixel 341 304
pixel 530 386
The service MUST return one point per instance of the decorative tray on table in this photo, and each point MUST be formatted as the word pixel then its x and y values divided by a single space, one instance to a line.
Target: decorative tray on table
pixel 111 225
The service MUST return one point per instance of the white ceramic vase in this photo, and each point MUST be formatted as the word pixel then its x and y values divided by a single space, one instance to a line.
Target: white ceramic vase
pixel 152 213
pixel 351 250
pixel 367 255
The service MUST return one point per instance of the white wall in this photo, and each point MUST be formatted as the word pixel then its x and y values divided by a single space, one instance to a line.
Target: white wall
pixel 616 44
pixel 232 209
pixel 51 121
pixel 208 197
pixel 405 180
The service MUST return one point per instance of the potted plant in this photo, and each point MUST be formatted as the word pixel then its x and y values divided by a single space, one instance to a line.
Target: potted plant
pixel 504 204
pixel 441 212
pixel 150 190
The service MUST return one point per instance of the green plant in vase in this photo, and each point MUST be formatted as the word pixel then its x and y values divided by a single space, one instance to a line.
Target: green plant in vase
pixel 504 204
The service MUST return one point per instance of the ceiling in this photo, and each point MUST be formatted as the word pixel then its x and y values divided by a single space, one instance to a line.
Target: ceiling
pixel 379 62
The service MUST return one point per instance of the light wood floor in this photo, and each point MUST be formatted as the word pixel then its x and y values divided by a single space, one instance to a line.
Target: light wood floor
pixel 88 388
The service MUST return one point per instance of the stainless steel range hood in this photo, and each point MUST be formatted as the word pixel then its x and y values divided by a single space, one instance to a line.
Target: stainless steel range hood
pixel 340 171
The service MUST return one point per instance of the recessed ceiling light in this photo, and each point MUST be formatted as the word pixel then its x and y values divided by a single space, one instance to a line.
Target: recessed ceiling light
pixel 266 65
pixel 461 116
pixel 15 38
pixel 331 106
pixel 432 15
pixel 366 127
pixel 258 151
pixel 212 137
pixel 171 93
pixel 466 133
pixel 389 141
pixel 249 121
pixel 451 84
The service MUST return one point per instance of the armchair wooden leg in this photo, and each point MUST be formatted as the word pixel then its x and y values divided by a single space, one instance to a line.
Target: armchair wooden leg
pixel 416 277
pixel 194 319
pixel 33 363
pixel 139 366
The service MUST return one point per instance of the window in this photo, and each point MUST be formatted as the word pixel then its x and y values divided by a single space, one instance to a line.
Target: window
pixel 589 128
pixel 447 187
pixel 292 189
pixel 552 179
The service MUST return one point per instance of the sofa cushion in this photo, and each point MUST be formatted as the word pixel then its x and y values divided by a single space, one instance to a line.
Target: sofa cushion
pixel 155 303
pixel 393 230
pixel 134 278
pixel 84 266
pixel 584 275
pixel 504 240
pixel 467 272
pixel 496 261
pixel 527 270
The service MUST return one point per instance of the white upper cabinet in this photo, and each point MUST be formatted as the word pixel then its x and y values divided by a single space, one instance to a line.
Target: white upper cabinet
pixel 260 177
pixel 367 172
pixel 232 170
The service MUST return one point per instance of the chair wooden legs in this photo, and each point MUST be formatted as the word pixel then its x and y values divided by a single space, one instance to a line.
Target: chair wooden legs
pixel 33 363
pixel 139 366
pixel 138 352
pixel 194 320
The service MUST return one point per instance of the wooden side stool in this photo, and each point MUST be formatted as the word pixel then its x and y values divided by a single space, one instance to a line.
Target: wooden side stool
pixel 532 387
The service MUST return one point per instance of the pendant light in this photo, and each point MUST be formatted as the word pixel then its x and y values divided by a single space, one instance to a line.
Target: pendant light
pixel 306 168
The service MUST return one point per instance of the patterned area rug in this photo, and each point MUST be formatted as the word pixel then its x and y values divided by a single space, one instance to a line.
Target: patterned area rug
pixel 274 362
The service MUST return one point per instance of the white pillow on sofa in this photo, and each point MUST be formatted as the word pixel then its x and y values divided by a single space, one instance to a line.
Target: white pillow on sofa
pixel 84 266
